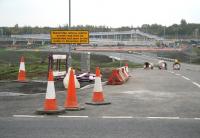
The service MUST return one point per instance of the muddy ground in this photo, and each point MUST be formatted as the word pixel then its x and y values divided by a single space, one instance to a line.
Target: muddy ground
pixel 31 87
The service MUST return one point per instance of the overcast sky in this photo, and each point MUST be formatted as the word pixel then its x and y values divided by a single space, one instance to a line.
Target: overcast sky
pixel 112 13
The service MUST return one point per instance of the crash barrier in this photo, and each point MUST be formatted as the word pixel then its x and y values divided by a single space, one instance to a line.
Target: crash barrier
pixel 126 68
pixel 114 58
pixel 166 59
pixel 122 74
pixel 118 76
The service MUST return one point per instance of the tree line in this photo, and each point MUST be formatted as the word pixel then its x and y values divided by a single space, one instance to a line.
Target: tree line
pixel 177 31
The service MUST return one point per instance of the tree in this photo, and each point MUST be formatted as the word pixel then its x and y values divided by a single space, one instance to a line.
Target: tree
pixel 16 26
pixel 183 22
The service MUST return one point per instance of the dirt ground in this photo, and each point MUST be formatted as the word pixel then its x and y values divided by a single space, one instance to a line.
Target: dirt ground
pixel 31 87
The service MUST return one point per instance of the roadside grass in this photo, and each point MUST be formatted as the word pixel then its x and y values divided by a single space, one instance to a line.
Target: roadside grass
pixel 188 56
pixel 36 64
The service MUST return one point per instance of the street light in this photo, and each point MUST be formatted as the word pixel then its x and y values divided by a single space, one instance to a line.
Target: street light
pixel 164 32
pixel 69 13
pixel 69 52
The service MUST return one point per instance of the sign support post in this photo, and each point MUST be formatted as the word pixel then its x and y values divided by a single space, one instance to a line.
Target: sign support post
pixel 69 37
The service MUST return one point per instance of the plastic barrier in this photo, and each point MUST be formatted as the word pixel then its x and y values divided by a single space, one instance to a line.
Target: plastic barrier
pixel 115 78
pixel 118 76
pixel 123 75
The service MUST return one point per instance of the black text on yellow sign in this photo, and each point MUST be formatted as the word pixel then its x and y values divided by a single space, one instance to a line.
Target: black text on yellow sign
pixel 69 37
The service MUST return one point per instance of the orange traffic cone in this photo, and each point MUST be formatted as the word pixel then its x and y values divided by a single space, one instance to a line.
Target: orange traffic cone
pixel 50 103
pixel 98 97
pixel 71 102
pixel 22 72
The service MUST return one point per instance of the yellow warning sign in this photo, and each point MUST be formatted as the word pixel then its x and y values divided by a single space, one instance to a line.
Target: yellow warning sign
pixel 69 37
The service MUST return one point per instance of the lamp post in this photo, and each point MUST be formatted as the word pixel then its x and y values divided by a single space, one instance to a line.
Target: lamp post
pixel 69 13
pixel 69 52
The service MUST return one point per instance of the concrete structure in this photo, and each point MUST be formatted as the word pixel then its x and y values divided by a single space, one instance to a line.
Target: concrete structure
pixel 125 35
pixel 133 37
pixel 85 62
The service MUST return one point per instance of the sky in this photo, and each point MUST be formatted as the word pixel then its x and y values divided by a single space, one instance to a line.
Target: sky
pixel 111 13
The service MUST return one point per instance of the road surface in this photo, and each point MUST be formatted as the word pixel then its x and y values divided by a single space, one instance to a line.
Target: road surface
pixel 152 104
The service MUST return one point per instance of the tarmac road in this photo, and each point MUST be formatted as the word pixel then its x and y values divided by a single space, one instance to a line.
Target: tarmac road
pixel 99 128
pixel 152 104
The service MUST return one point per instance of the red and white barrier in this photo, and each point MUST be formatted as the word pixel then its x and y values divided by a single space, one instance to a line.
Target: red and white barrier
pixel 118 76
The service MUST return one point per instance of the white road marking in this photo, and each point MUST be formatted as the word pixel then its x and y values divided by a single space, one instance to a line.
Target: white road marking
pixel 129 92
pixel 107 117
pixel 172 72
pixel 63 116
pixel 87 86
pixel 28 116
pixel 163 117
pixel 136 92
pixel 185 78
pixel 196 84
pixel 178 74
pixel 12 94
pixel 92 85
pixel 120 117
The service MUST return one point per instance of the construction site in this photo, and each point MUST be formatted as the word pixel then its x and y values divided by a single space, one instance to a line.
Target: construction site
pixel 99 69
